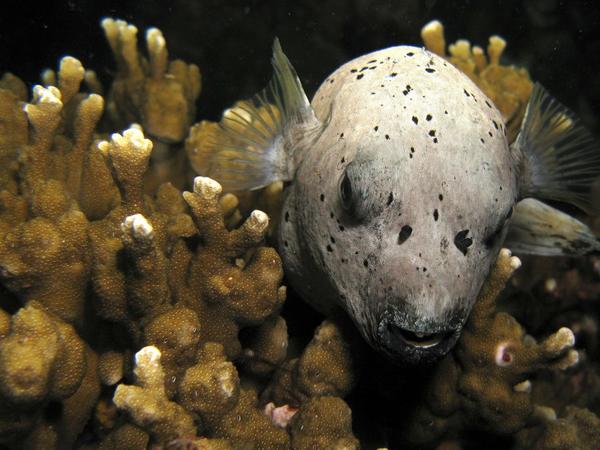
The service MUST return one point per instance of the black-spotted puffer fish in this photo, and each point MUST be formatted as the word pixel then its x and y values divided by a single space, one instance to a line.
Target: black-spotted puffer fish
pixel 402 188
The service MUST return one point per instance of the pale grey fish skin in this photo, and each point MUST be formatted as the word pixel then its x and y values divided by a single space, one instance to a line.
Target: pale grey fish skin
pixel 424 148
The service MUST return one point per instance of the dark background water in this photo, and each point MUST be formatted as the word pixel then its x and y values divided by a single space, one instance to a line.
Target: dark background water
pixel 558 41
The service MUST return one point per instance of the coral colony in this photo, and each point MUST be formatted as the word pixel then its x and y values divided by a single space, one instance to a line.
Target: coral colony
pixel 135 315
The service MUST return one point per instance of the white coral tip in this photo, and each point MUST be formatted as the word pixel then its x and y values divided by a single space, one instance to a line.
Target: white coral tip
pixel 545 413
pixel 207 187
pixel 155 39
pixel 505 253
pixel 259 220
pixel 566 337
pixel 46 95
pixel 149 355
pixel 136 137
pixel 523 386
pixel 515 262
pixel 138 226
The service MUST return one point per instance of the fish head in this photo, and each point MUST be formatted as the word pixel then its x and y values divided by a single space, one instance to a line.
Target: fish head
pixel 402 221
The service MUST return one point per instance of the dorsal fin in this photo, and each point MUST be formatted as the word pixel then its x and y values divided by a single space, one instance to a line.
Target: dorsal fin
pixel 257 140
pixel 560 159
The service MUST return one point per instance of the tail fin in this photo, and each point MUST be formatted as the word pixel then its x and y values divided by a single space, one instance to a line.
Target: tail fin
pixel 253 144
pixel 560 160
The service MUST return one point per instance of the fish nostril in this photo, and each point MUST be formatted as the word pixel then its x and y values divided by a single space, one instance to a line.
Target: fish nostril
pixel 404 234
pixel 462 242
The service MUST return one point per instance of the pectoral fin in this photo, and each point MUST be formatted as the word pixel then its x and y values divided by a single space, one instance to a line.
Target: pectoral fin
pixel 559 158
pixel 257 140
pixel 539 229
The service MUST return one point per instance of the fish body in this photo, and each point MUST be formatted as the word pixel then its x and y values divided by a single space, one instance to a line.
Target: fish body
pixel 402 187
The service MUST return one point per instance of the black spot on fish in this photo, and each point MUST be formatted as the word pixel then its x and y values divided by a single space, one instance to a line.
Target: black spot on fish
pixel 410 54
pixel 462 242
pixel 428 117
pixel 390 198
pixel 495 124
pixel 376 127
pixel 490 133
pixel 404 234
pixel 387 136
pixel 353 71
pixel 432 133
pixel 287 216
pixel 466 93
pixel 441 197
pixel 343 159
pixel 444 245
pixel 329 248
pixel 435 140
pixel 331 215
pixel 341 227
pixel 365 263
pixel 332 80
pixel 436 215
pixel 415 120
pixel 429 70
pixel 488 104
pixel 393 74
pixel 322 197
pixel 482 141
pixel 359 76
pixel 445 112
pixel 285 243
pixel 372 61
pixel 332 239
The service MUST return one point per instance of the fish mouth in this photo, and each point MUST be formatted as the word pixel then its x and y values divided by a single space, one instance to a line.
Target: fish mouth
pixel 404 342
pixel 421 340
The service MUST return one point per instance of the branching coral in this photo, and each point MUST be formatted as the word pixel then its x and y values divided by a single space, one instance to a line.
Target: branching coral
pixel 325 368
pixel 508 86
pixel 486 382
pixel 43 361
pixel 147 402
pixel 82 241
pixel 158 93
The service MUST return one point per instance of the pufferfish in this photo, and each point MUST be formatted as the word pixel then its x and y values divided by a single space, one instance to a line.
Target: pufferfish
pixel 401 188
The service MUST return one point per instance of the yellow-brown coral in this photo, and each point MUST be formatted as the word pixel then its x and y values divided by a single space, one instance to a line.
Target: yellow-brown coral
pixel 486 380
pixel 509 87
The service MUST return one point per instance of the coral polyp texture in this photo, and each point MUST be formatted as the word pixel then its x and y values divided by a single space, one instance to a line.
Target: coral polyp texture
pixel 134 315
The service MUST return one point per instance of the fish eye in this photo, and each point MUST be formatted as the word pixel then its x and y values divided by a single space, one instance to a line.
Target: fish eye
pixel 346 196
